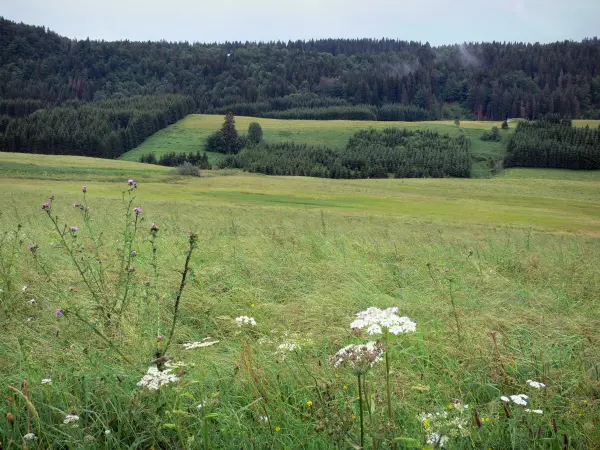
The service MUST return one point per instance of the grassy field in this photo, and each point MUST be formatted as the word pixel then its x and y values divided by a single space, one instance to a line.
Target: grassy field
pixel 500 275
pixel 190 134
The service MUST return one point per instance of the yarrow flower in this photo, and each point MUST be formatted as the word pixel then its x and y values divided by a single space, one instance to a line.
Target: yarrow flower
pixel 193 345
pixel 377 320
pixel 536 384
pixel 138 210
pixel 288 346
pixel 29 437
pixel 47 381
pixel 519 399
pixel 359 357
pixel 133 253
pixel 70 418
pixel 155 379
pixel 535 411
pixel 245 320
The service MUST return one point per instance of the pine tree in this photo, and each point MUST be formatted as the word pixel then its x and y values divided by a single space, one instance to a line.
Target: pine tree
pixel 231 140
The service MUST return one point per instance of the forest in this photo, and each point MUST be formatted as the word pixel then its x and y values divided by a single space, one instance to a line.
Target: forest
pixel 554 143
pixel 368 154
pixel 331 78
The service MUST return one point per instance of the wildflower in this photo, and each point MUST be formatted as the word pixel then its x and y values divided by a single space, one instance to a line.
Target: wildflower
pixel 74 229
pixel 426 423
pixel 24 288
pixel 29 437
pixel 535 411
pixel 84 189
pixel 201 405
pixel 70 418
pixel 47 381
pixel 309 403
pixel 88 438
pixel 46 206
pixel 154 228
pixel 375 320
pixel 437 440
pixel 159 338
pixel 345 387
pixel 32 302
pixel 288 346
pixel 360 357
pixel 107 432
pixel 130 182
pixel 536 384
pixel 193 345
pixel 519 399
pixel 251 305
pixel 131 268
pixel 277 429
pixel 485 419
pixel 263 418
pixel 75 205
pixel 155 379
pixel 135 184
pixel 60 312
pixel 138 210
pixel 134 253
pixel 71 288
pixel 245 320
pixel 33 247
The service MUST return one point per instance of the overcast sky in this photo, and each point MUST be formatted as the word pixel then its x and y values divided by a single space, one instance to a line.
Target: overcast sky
pixel 436 21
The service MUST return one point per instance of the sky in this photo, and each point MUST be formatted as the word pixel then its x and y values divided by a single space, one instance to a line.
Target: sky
pixel 438 22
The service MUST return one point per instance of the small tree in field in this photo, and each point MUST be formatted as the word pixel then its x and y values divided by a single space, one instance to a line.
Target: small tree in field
pixel 457 123
pixel 231 139
pixel 505 125
pixel 255 133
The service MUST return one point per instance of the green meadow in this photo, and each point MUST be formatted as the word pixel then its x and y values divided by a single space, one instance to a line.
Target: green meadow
pixel 500 275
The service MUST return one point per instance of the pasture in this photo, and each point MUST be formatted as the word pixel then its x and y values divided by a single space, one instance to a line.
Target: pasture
pixel 500 275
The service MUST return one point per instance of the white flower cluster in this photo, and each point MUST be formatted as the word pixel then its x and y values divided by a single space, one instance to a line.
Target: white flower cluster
pixel 375 320
pixel 443 425
pixel 155 379
pixel 193 345
pixel 70 418
pixel 29 437
pixel 519 399
pixel 47 381
pixel 288 346
pixel 535 411
pixel 245 320
pixel 359 357
pixel 536 384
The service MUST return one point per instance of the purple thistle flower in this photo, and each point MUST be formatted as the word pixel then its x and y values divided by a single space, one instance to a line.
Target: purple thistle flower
pixel 131 268
pixel 46 206
pixel 75 205
pixel 60 312
pixel 154 228
pixel 135 184
pixel 74 229
pixel 159 338
pixel 33 247
pixel 84 189
pixel 138 210
pixel 130 182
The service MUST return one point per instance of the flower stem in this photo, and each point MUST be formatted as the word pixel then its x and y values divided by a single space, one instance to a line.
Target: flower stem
pixel 360 410
pixel 387 382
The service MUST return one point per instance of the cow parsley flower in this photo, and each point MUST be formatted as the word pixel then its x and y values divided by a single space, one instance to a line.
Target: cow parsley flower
pixel 245 320
pixel 193 345
pixel 376 321
pixel 359 357
pixel 155 379
pixel 70 418
pixel 536 384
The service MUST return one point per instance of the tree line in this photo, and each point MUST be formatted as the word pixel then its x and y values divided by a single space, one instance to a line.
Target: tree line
pixel 369 154
pixel 491 80
pixel 173 159
pixel 104 129
pixel 553 143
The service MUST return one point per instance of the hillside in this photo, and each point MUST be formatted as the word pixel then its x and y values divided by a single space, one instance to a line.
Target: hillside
pixel 330 78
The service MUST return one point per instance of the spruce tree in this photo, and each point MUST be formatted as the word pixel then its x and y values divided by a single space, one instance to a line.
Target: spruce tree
pixel 231 140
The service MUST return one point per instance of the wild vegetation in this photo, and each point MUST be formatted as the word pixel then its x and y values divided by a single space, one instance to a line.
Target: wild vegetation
pixel 277 270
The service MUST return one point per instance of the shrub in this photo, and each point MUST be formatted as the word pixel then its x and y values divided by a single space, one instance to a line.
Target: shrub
pixel 188 170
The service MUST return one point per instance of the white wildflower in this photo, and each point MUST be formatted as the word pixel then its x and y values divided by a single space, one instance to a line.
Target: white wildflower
pixel 263 418
pixel 32 302
pixel 24 288
pixel 175 364
pixel 536 384
pixel 535 411
pixel 245 320
pixel 359 357
pixel 47 381
pixel 519 399
pixel 70 418
pixel 437 440
pixel 29 437
pixel 201 405
pixel 288 346
pixel 504 398
pixel 375 320
pixel 107 432
pixel 29 319
pixel 155 379
pixel 193 345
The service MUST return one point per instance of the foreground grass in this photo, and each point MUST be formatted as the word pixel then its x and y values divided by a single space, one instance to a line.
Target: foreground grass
pixel 302 256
